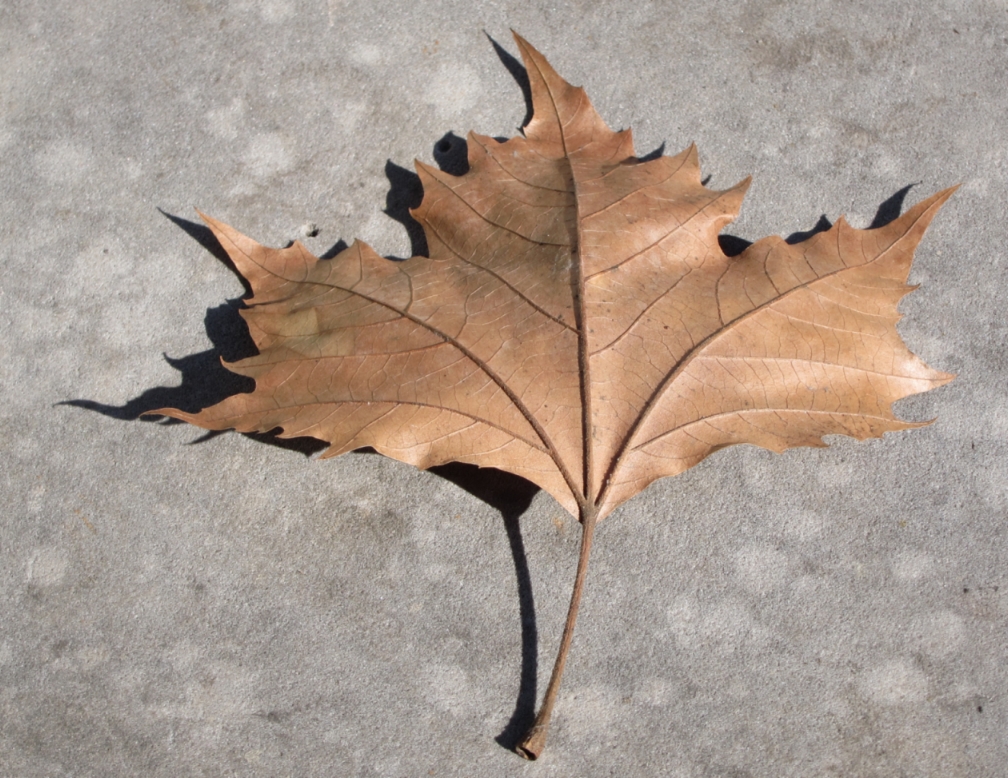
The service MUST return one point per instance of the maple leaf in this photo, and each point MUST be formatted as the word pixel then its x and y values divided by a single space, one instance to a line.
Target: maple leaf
pixel 577 324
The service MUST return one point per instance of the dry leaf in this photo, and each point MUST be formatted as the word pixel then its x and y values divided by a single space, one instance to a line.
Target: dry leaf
pixel 577 324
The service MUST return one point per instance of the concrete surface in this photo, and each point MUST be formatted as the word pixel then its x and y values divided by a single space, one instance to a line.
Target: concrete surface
pixel 175 604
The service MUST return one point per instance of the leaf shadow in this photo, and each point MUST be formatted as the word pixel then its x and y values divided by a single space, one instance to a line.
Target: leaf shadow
pixel 887 211
pixel 518 73
pixel 405 193
pixel 656 154
pixel 511 496
pixel 802 235
pixel 451 154
pixel 205 382
pixel 891 208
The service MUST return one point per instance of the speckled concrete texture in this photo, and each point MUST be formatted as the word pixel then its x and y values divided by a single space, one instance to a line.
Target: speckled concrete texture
pixel 174 603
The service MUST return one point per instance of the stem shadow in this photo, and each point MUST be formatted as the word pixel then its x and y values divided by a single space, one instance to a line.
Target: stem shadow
pixel 511 495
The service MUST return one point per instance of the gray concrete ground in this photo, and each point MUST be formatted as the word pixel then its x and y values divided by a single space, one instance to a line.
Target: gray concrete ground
pixel 178 604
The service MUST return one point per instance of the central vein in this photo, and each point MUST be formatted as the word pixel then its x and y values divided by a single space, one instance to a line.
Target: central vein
pixel 585 499
pixel 584 356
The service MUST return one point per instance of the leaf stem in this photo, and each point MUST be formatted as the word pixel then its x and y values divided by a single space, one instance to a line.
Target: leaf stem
pixel 532 745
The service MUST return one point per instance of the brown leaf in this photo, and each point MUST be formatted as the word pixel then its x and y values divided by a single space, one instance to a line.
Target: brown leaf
pixel 577 323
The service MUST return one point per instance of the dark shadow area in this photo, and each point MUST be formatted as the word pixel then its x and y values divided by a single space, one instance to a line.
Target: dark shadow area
pixel 335 249
pixel 452 154
pixel 512 496
pixel 732 245
pixel 204 380
pixel 820 226
pixel 657 153
pixel 891 208
pixel 518 73
pixel 204 236
pixel 405 192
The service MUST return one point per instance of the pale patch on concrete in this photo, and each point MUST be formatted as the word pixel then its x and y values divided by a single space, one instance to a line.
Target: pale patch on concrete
pixel 453 89
pixel 809 587
pixel 223 122
pixel 761 567
pixel 6 654
pixel 656 691
pixel 912 565
pixel 683 620
pixel 723 629
pixel 103 259
pixel 348 114
pixel 276 11
pixel 334 9
pixel 436 572
pixel 366 54
pixel 221 691
pixel 771 150
pixel 64 162
pixel 803 525
pixel 895 683
pixel 150 567
pixel 730 625
pixel 35 498
pixel 590 709
pixel 90 657
pixel 267 155
pixel 995 488
pixel 994 422
pixel 47 567
pixel 385 235
pixel 978 187
pixel 940 634
pixel 132 168
pixel 183 655
pixel 253 756
pixel 448 688
pixel 333 736
pixel 962 691
pixel 270 11
pixel 835 474
pixel 883 164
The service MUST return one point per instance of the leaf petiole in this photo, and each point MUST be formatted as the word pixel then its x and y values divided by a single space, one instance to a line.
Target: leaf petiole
pixel 532 745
